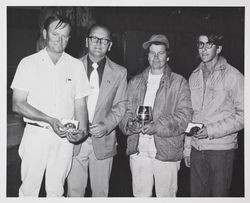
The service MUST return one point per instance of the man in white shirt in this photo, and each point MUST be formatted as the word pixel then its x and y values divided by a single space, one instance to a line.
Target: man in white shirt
pixel 49 86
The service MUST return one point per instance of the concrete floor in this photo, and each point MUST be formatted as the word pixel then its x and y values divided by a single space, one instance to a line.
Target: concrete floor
pixel 120 181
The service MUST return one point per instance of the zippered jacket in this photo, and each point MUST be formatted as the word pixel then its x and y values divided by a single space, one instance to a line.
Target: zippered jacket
pixel 219 106
pixel 171 113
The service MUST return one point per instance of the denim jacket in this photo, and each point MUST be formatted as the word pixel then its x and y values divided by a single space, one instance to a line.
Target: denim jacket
pixel 171 113
pixel 220 106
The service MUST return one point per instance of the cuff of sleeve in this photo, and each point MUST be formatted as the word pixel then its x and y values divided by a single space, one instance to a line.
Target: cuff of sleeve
pixel 108 126
pixel 127 132
pixel 159 131
pixel 210 132
pixel 79 96
pixel 187 146
pixel 187 152
pixel 125 126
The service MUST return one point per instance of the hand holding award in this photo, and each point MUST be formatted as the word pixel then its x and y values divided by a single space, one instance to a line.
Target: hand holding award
pixel 73 134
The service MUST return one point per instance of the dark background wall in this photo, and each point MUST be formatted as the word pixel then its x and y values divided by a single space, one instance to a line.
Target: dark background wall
pixel 131 26
pixel 181 25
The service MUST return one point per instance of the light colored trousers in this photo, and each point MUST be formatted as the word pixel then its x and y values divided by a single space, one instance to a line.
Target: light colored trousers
pixel 99 172
pixel 40 150
pixel 148 171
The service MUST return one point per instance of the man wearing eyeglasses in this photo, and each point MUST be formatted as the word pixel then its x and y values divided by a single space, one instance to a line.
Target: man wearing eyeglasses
pixel 217 100
pixel 106 107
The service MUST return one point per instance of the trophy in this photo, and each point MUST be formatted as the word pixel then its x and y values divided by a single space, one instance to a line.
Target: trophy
pixel 144 115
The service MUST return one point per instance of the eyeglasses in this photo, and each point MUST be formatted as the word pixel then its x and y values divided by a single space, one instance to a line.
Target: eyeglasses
pixel 96 40
pixel 159 54
pixel 208 45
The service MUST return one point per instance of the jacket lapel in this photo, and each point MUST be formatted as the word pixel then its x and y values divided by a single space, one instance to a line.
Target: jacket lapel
pixel 108 81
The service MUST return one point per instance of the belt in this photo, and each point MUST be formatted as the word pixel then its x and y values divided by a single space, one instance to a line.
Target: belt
pixel 37 125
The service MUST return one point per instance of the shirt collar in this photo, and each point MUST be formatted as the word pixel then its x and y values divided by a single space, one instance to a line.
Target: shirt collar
pixel 166 74
pixel 46 56
pixel 100 63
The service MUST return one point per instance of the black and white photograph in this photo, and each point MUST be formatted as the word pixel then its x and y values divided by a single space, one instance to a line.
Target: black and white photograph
pixel 124 100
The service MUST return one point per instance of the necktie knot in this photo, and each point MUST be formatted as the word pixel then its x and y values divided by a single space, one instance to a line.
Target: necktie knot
pixel 95 66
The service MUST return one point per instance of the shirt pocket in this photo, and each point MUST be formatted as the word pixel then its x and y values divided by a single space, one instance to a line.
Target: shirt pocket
pixel 69 91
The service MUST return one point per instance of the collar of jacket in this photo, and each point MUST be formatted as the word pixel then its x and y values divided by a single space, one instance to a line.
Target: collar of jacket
pixel 220 65
pixel 165 79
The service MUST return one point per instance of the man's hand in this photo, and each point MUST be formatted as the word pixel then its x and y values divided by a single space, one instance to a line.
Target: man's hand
pixel 149 129
pixel 58 127
pixel 98 129
pixel 187 161
pixel 76 136
pixel 202 133
pixel 134 126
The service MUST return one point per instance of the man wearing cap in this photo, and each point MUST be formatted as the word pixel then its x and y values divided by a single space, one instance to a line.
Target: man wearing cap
pixel 155 148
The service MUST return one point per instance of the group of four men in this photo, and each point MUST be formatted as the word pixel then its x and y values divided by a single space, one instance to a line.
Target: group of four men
pixel 50 85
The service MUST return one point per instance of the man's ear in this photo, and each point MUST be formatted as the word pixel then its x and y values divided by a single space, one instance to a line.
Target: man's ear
pixel 44 34
pixel 219 49
pixel 110 45
pixel 86 42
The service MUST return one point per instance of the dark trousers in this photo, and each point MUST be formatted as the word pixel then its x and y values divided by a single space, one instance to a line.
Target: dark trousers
pixel 211 172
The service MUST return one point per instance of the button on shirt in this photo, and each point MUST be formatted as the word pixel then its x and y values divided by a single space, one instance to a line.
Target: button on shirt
pixel 52 88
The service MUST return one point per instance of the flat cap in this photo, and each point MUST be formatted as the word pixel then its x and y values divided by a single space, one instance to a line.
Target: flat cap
pixel 156 38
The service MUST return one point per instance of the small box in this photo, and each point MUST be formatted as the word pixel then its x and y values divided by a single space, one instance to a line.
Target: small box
pixel 191 125
pixel 70 124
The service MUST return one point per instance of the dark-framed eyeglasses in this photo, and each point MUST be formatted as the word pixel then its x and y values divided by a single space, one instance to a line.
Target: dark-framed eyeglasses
pixel 207 45
pixel 96 40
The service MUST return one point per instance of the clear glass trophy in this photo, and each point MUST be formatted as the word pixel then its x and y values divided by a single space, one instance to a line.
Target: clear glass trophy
pixel 144 115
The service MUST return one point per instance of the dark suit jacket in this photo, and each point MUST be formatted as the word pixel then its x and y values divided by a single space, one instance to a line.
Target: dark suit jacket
pixel 110 107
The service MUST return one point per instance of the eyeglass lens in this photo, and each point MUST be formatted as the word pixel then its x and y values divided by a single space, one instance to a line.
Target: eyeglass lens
pixel 97 39
pixel 208 45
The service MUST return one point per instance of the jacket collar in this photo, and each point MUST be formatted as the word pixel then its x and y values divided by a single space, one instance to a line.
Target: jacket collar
pixel 84 59
pixel 166 74
pixel 220 65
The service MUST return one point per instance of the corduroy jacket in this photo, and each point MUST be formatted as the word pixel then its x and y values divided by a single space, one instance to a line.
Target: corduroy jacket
pixel 219 105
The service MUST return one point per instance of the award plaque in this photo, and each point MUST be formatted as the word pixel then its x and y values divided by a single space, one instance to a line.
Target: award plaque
pixel 193 128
